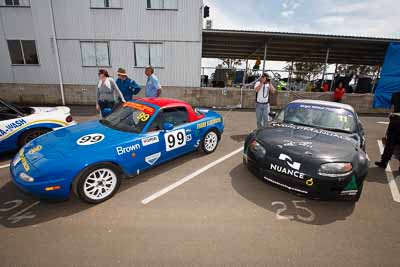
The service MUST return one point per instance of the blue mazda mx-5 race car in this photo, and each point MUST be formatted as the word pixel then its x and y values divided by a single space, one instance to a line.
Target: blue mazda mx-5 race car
pixel 91 158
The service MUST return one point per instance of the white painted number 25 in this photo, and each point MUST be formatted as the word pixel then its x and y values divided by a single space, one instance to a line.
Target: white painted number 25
pixel 296 204
pixel 175 139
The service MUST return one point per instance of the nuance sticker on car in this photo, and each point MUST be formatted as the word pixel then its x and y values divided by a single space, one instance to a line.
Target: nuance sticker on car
pixel 175 139
pixel 294 169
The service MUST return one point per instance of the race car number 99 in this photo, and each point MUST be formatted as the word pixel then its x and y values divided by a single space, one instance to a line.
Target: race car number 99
pixel 175 139
pixel 90 139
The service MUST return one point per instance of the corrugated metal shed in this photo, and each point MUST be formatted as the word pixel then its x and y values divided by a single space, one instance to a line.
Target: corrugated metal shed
pixel 284 46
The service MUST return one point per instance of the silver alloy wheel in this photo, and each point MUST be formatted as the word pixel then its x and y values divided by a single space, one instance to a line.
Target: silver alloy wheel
pixel 100 183
pixel 210 141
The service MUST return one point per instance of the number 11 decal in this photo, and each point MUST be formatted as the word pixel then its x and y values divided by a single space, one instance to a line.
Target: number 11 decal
pixel 175 139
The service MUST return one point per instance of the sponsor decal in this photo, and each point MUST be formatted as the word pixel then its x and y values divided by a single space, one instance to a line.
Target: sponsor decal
pixel 289 143
pixel 128 149
pixel 290 162
pixel 197 144
pixel 309 129
pixel 152 158
pixel 141 107
pixel 90 139
pixel 208 123
pixel 188 130
pixel 35 149
pixel 188 137
pixel 24 161
pixel 143 117
pixel 175 139
pixel 150 140
pixel 285 186
pixel 349 192
pixel 352 185
pixel 292 171
pixel 310 182
pixel 12 126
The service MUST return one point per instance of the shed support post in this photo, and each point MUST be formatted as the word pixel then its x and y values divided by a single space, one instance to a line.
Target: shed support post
pixel 376 79
pixel 243 83
pixel 290 76
pixel 333 78
pixel 326 63
pixel 265 56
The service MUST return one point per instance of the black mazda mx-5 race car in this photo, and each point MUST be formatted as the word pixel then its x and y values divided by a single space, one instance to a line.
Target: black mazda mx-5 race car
pixel 313 148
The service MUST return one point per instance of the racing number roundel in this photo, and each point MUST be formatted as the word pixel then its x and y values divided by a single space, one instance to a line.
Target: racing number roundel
pixel 90 139
pixel 175 139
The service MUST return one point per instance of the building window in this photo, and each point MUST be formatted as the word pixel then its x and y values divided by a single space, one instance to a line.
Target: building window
pixel 162 4
pixel 105 3
pixel 16 3
pixel 95 54
pixel 148 54
pixel 23 52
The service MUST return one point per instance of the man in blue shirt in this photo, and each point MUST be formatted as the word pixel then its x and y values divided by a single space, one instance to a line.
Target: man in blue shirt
pixel 127 86
pixel 153 86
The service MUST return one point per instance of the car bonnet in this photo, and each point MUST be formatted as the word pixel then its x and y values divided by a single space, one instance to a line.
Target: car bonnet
pixel 316 143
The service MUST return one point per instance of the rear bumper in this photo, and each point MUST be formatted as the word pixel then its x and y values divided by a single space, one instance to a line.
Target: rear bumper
pixel 312 187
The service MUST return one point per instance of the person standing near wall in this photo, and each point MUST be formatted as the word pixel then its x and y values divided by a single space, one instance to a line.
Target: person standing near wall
pixel 153 86
pixel 392 134
pixel 263 89
pixel 339 92
pixel 127 86
pixel 107 94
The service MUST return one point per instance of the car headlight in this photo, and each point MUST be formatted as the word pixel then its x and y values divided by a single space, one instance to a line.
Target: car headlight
pixel 26 177
pixel 335 169
pixel 257 148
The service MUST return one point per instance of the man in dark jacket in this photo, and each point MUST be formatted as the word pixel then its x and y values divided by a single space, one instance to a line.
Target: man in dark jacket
pixel 393 133
pixel 127 86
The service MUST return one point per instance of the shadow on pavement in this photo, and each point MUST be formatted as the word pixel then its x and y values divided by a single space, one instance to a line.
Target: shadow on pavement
pixel 18 209
pixel 239 138
pixel 284 204
pixel 6 157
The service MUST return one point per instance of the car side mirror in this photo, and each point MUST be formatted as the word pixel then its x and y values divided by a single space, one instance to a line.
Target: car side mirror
pixel 272 114
pixel 167 126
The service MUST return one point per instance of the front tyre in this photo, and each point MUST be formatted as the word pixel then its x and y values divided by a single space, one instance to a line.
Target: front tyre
pixel 97 183
pixel 210 141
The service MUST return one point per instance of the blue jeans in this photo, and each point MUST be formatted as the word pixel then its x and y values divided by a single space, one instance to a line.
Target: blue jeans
pixel 262 114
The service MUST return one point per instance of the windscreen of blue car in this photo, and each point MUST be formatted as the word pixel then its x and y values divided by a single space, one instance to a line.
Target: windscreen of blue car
pixel 130 117
pixel 328 118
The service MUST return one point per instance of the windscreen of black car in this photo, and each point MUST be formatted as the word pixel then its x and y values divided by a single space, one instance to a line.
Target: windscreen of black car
pixel 317 116
pixel 130 117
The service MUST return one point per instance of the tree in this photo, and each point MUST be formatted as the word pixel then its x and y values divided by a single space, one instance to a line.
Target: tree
pixel 306 70
pixel 231 63
pixel 345 69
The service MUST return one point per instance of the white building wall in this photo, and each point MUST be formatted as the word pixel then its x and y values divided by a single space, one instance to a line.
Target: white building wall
pixel 179 31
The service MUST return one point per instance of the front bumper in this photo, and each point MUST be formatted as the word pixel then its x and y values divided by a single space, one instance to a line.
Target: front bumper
pixel 313 187
pixel 38 187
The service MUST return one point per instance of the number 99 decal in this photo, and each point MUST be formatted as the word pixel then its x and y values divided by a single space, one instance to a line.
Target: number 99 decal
pixel 90 139
pixel 175 139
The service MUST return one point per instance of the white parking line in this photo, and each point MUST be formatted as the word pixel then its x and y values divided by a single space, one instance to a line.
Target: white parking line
pixel 5 166
pixel 389 174
pixel 383 122
pixel 189 177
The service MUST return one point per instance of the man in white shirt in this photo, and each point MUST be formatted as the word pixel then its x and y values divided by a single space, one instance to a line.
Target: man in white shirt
pixel 263 89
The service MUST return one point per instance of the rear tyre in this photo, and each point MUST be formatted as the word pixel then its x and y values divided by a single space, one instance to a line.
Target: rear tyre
pixel 97 183
pixel 29 135
pixel 210 141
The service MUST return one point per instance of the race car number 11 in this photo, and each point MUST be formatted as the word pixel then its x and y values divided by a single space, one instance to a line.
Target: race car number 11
pixel 175 139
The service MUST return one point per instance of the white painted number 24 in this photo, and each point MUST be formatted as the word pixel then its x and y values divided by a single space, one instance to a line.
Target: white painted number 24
pixel 175 139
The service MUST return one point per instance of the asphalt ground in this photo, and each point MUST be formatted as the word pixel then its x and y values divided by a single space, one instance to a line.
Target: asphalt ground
pixel 221 216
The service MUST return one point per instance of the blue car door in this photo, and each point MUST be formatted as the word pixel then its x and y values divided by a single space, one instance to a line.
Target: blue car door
pixel 177 141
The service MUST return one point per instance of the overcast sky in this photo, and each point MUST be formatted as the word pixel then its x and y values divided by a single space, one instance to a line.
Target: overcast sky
pixel 377 18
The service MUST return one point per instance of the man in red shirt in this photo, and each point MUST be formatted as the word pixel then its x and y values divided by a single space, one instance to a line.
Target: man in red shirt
pixel 339 92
